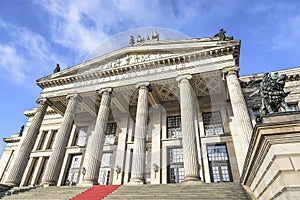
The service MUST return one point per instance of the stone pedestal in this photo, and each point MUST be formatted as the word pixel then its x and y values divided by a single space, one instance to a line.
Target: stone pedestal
pixel 139 149
pixel 59 146
pixel 17 168
pixel 272 166
pixel 94 150
pixel 242 121
pixel 190 157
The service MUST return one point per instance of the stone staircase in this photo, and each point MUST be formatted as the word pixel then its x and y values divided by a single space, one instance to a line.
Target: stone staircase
pixel 181 191
pixel 53 193
pixel 96 192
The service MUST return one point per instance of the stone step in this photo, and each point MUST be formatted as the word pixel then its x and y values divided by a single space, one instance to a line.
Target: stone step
pixel 53 193
pixel 181 191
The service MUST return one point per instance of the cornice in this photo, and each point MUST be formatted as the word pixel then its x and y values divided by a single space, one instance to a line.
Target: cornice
pixel 231 48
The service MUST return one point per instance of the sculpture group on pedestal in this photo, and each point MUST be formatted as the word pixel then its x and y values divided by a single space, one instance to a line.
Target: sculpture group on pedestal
pixel 271 90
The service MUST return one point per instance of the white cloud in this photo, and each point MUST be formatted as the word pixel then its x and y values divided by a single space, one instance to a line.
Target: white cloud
pixel 25 55
pixel 11 65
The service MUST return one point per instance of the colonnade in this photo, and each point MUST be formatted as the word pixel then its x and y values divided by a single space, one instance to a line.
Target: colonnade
pixel 94 149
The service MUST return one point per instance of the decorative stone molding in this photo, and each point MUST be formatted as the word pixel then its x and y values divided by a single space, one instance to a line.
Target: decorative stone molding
pixel 140 66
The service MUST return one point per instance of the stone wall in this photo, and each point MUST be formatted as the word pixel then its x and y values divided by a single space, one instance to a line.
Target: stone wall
pixel 272 166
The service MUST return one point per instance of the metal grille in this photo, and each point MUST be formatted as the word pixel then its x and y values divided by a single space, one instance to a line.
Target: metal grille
pixel 213 123
pixel 174 127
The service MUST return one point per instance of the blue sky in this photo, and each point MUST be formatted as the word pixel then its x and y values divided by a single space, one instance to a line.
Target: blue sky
pixel 37 34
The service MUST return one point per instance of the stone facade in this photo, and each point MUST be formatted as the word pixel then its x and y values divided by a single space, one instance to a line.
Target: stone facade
pixel 156 112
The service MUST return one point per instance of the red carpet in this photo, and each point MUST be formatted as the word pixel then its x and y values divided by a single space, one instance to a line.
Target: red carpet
pixel 97 192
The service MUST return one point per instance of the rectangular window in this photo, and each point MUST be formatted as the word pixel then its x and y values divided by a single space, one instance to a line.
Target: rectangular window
pixel 32 169
pixel 42 171
pixel 174 127
pixel 80 136
pixel 213 123
pixel 110 135
pixel 52 138
pixel 42 140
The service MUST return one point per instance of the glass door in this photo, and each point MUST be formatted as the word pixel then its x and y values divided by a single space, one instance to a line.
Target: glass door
pixel 73 171
pixel 219 163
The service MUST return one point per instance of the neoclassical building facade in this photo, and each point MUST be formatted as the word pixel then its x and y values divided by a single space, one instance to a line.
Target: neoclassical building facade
pixel 155 112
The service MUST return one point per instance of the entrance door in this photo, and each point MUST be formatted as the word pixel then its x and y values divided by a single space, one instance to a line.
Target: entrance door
pixel 73 171
pixel 105 170
pixel 175 169
pixel 219 163
pixel 104 177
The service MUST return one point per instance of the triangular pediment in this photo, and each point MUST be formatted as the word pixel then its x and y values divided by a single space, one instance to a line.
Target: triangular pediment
pixel 144 54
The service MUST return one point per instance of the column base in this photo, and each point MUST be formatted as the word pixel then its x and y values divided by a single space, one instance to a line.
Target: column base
pixel 191 180
pixel 12 183
pixel 48 183
pixel 89 183
pixel 136 181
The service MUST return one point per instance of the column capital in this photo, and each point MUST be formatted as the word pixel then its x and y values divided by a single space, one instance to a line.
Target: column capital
pixel 142 84
pixel 231 70
pixel 184 77
pixel 75 96
pixel 105 90
pixel 44 100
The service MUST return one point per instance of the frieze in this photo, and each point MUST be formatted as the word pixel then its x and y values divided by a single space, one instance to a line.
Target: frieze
pixel 153 64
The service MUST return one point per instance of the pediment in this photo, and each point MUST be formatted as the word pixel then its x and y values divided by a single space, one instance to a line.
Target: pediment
pixel 144 54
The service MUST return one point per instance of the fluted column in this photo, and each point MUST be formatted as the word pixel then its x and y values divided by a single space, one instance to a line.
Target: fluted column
pixel 59 146
pixel 190 156
pixel 242 119
pixel 17 168
pixel 139 145
pixel 94 150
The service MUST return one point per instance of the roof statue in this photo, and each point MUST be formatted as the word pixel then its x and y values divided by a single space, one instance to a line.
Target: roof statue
pixel 221 35
pixel 140 39
pixel 57 69
pixel 270 88
pixel 21 130
pixel 154 36
pixel 131 41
